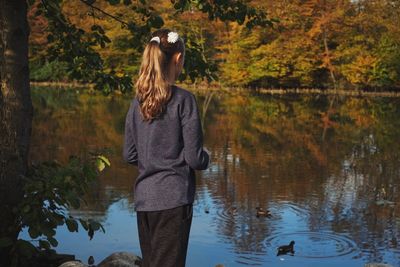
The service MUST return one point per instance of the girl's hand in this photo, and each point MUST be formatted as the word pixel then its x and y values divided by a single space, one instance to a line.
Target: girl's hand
pixel 209 155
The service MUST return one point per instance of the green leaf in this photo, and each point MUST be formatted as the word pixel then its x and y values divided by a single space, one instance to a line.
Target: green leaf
pixel 72 225
pixel 56 218
pixel 84 224
pixel 53 241
pixel 156 22
pixel 44 244
pixel 48 230
pixel 89 172
pixel 95 225
pixel 101 162
pixel 33 232
pixel 106 160
pixel 100 165
pixel 91 233
pixel 106 39
pixel 102 228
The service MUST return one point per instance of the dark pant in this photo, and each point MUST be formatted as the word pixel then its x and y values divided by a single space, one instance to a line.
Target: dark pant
pixel 164 236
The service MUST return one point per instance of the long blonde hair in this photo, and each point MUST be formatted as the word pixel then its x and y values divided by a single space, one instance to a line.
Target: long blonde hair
pixel 153 90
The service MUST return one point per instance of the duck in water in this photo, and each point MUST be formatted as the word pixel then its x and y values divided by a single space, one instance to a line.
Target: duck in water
pixel 91 261
pixel 260 212
pixel 283 250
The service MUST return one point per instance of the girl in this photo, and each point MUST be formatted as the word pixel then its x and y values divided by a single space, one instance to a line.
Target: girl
pixel 163 137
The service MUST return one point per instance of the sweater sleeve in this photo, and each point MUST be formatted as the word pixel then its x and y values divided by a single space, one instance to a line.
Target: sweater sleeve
pixel 129 153
pixel 192 133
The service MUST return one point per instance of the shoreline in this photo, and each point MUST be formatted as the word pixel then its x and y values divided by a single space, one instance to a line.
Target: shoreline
pixel 61 84
pixel 264 91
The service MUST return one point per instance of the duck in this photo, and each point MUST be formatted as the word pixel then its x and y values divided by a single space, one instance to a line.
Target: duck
pixel 260 212
pixel 91 261
pixel 232 210
pixel 282 250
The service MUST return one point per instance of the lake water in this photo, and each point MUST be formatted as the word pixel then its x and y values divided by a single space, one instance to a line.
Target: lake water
pixel 326 168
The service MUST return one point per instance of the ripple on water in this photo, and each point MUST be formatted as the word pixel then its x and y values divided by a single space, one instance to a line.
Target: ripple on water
pixel 250 258
pixel 227 214
pixel 230 218
pixel 315 244
pixel 288 211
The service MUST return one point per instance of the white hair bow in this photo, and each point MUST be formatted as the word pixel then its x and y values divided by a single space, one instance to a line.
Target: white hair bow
pixel 155 38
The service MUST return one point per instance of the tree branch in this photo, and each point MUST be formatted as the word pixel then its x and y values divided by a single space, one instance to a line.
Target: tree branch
pixel 104 12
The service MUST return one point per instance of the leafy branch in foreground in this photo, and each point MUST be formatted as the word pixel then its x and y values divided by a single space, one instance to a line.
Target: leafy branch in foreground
pixel 50 190
pixel 227 10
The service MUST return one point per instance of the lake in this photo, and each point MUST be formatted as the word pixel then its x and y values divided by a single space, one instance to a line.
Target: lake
pixel 327 168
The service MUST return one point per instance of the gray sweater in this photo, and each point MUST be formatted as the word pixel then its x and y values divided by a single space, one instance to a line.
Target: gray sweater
pixel 166 151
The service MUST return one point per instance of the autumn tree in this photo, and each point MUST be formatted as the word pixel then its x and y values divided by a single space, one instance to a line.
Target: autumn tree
pixel 316 43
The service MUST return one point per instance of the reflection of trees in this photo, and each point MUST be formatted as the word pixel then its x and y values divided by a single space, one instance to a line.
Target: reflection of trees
pixel 331 157
pixel 67 124
pixel 330 160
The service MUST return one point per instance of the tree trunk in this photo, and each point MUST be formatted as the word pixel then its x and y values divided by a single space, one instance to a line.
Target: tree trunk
pixel 328 59
pixel 15 114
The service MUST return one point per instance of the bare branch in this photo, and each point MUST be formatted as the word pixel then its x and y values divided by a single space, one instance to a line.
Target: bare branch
pixel 104 12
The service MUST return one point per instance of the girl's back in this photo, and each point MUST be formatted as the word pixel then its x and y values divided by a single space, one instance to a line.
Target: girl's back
pixel 167 151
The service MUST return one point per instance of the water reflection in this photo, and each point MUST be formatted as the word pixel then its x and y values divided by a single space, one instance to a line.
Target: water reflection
pixel 321 166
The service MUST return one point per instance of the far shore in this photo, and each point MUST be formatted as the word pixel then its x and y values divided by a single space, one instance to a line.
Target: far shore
pixel 221 88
